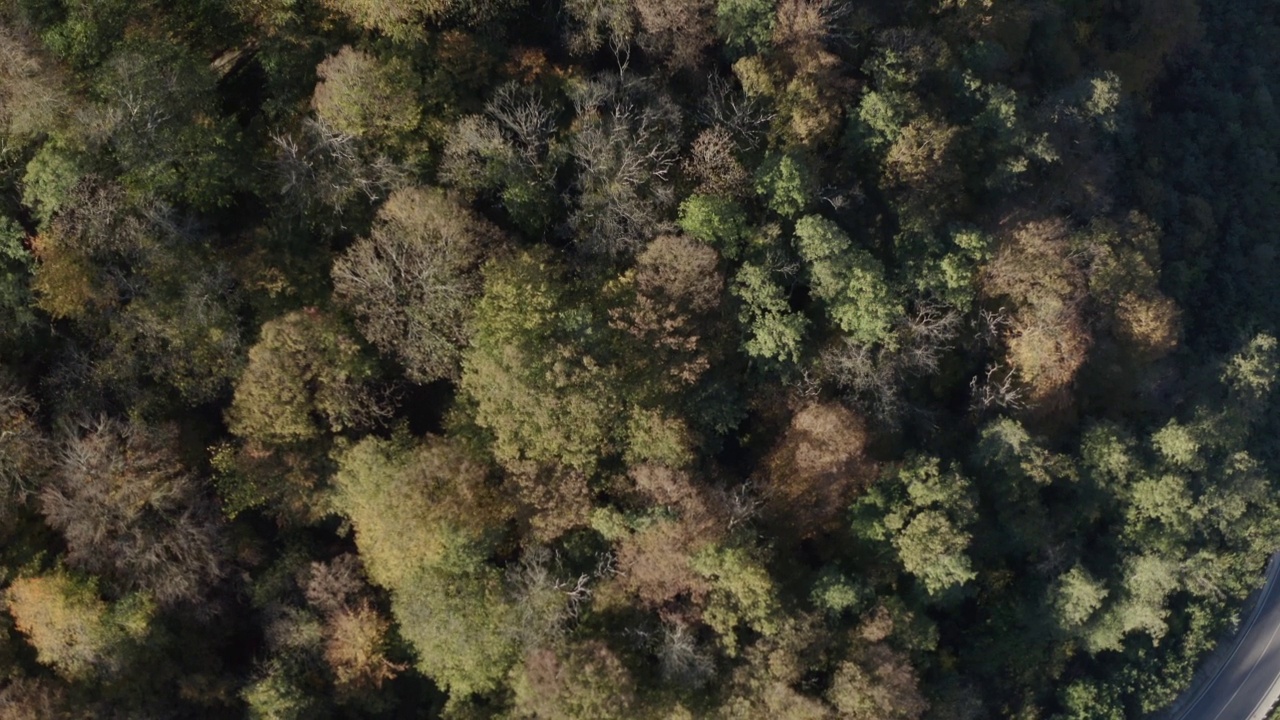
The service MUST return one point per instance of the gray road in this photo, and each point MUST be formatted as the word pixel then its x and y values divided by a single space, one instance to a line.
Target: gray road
pixel 1248 682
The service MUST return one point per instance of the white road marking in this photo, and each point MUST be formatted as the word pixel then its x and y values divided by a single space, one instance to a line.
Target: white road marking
pixel 1240 638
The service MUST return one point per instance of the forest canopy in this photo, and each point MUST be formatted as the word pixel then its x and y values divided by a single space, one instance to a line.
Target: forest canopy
pixel 599 359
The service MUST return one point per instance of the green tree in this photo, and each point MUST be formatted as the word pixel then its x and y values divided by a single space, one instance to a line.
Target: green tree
pixel 742 594
pixel 1076 596
pixel 594 24
pixel 17 318
pixel 849 280
pixel 426 522
pixel 1140 606
pixel 416 504
pixel 775 331
pixel 582 681
pixel 745 24
pixel 305 376
pixel 509 149
pixel 530 371
pixel 164 127
pixel 923 512
pixel 367 97
pixel 786 183
pixel 717 221
pixel 73 630
pixel 1251 374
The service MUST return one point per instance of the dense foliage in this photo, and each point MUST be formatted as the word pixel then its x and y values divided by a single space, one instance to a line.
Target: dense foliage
pixel 870 359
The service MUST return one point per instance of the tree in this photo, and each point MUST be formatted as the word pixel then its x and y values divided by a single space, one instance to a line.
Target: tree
pixel 797 70
pixel 656 555
pixel 657 561
pixel 319 170
pixel 413 282
pixel 1076 596
pixel 923 511
pixel 920 167
pixel 415 504
pixel 1251 375
pixel 1048 341
pixel 713 162
pixel 98 250
pixel 25 453
pixel 584 680
pixel 85 246
pixel 356 644
pixel 624 148
pixel 425 523
pixel 679 33
pixel 132 513
pixel 673 311
pixel 815 469
pixel 531 374
pixel 767 681
pixel 742 594
pixel 880 685
pixel 1148 580
pixel 776 332
pixel 304 377
pixel 72 629
pixel 182 331
pixel 849 280
pixel 1164 29
pixel 366 97
pixel 877 679
pixel 595 23
pixel 160 118
pixel 26 698
pixel 745 24
pixel 786 183
pixel 1124 276
pixel 874 376
pixel 464 629
pixel 508 149
pixel 32 89
pixel 404 20
pixel 273 697
pixel 716 221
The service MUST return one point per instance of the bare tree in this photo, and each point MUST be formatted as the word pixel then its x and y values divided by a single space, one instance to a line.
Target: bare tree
pixel 726 105
pixel 317 166
pixel 524 116
pixel 547 598
pixel 875 374
pixel 998 388
pixel 624 151
pixel 681 660
pixel 412 282
pixel 24 450
pixel 132 513
pixel 714 164
pixel 927 335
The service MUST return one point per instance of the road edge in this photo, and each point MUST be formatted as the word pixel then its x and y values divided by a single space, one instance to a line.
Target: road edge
pixel 1227 647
